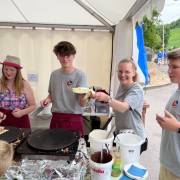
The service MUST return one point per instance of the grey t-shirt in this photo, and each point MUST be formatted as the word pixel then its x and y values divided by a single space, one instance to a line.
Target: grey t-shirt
pixel 170 142
pixel 131 119
pixel 60 89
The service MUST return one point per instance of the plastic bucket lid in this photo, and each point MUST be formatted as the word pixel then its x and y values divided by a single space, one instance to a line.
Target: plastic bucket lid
pixel 128 139
pixel 99 135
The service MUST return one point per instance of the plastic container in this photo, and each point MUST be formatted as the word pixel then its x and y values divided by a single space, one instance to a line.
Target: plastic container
pixel 129 145
pixel 101 170
pixel 117 164
pixel 98 139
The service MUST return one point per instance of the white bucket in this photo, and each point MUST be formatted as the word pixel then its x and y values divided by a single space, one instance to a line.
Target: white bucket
pixel 100 171
pixel 97 139
pixel 130 145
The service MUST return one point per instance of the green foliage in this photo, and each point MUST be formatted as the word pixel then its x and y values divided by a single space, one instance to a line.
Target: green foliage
pixel 152 36
pixel 153 33
pixel 174 34
pixel 174 24
pixel 174 40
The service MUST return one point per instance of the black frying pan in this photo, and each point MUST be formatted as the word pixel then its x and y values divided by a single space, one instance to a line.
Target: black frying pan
pixel 52 139
pixel 11 135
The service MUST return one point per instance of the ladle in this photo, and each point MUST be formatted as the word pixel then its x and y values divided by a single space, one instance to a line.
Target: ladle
pixel 101 155
pixel 109 133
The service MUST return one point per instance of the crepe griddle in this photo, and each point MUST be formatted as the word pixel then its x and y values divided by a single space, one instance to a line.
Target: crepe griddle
pixel 51 139
pixel 11 135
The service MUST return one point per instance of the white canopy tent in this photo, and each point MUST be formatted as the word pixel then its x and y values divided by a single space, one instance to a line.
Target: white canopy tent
pixel 65 12
pixel 101 30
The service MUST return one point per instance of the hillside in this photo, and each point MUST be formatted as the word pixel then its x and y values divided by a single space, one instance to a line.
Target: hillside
pixel 174 39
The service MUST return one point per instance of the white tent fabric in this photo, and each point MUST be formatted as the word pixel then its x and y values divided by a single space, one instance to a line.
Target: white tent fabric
pixel 35 49
pixel 98 52
pixel 45 11
pixel 111 10
pixel 63 11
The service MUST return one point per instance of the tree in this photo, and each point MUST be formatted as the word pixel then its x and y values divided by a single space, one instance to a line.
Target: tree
pixel 152 36
pixel 174 24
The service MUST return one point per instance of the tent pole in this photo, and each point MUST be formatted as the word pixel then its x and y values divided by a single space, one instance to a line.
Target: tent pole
pixel 54 26
pixel 93 13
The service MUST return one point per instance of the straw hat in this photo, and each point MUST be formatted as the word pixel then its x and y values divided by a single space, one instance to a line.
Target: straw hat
pixel 12 61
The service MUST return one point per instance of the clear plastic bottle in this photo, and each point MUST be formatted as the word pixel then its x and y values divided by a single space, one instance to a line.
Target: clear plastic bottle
pixel 117 165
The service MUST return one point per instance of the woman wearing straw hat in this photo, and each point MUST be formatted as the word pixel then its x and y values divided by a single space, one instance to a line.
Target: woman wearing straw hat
pixel 16 96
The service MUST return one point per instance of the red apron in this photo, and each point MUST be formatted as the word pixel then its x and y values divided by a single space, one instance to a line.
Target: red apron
pixel 72 122
pixel 10 120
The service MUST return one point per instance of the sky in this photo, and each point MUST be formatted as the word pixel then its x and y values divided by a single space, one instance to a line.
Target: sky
pixel 171 11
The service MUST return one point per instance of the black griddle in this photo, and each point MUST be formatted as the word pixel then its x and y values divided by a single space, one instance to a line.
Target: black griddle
pixel 45 146
pixel 11 135
pixel 51 139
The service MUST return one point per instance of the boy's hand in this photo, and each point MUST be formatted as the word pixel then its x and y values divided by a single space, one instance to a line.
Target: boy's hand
pixel 168 122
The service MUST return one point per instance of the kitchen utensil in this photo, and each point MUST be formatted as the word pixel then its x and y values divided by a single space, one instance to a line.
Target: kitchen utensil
pixel 37 111
pixel 52 139
pixel 101 155
pixel 11 135
pixel 107 122
pixel 111 131
pixel 107 148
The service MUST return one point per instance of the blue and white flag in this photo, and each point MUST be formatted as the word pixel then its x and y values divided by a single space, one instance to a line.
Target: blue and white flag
pixel 139 54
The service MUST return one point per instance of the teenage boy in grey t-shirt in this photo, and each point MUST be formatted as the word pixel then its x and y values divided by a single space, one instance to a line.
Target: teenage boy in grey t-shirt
pixel 66 106
pixel 170 141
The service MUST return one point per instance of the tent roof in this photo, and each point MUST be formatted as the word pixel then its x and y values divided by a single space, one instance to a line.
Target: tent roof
pixel 66 12
pixel 102 13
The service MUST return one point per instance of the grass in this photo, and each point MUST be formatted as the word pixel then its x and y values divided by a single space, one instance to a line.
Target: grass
pixel 174 40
